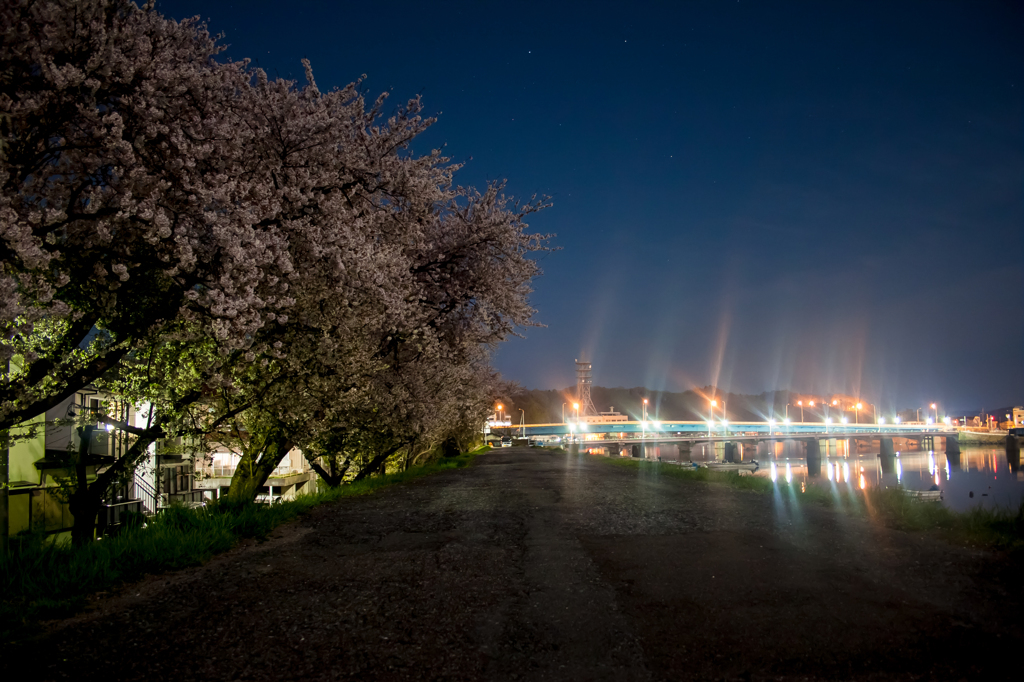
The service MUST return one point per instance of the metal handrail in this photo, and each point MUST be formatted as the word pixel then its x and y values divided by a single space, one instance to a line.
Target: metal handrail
pixel 145 492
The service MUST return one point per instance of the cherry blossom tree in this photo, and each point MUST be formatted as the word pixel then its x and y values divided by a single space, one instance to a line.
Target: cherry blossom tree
pixel 281 244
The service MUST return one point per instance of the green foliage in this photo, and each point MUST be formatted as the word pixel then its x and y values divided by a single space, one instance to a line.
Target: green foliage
pixel 999 527
pixel 43 579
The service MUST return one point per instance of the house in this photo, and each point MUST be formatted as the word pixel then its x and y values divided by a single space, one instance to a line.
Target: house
pixel 38 461
pixel 39 457
pixel 292 477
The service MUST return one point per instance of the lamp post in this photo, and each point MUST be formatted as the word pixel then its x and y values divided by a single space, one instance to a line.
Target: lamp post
pixel 711 417
pixel 563 413
pixel 643 422
pixel 801 404
pixel 936 413
pixel 522 423
pixel 811 404
pixel 576 406
pixel 859 405
pixel 500 408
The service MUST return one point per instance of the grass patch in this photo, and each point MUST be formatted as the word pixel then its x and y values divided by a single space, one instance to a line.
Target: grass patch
pixel 1000 528
pixel 43 580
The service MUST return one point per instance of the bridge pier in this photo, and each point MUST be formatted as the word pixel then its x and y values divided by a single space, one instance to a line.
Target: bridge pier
pixel 953 447
pixel 730 452
pixel 1013 452
pixel 813 458
pixel 683 452
pixel 886 447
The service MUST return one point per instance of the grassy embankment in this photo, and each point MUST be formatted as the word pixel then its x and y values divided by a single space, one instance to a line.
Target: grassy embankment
pixel 1003 528
pixel 43 580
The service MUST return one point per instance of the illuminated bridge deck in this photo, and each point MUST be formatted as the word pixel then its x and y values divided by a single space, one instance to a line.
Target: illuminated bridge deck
pixel 731 431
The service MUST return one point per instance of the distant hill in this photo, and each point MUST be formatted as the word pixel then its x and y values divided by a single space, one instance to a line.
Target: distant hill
pixel 545 406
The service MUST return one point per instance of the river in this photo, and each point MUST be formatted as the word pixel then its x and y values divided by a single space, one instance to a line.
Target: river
pixel 980 477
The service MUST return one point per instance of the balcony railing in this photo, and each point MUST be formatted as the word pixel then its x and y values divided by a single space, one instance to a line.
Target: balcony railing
pixel 192 497
pixel 228 472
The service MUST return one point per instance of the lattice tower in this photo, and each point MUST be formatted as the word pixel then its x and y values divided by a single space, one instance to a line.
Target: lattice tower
pixel 583 382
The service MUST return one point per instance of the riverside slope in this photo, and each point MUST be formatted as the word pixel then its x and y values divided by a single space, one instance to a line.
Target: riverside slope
pixel 531 565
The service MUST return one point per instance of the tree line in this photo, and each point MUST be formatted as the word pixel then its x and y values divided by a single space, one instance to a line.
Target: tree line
pixel 257 261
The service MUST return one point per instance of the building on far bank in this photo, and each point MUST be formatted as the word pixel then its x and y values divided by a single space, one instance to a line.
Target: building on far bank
pixel 605 417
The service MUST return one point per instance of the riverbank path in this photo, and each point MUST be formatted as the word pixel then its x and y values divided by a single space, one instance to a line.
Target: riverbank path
pixel 533 565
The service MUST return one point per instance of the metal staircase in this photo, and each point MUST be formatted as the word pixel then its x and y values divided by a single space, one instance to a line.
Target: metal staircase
pixel 142 490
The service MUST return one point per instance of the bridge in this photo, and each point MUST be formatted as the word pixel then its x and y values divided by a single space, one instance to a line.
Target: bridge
pixel 617 436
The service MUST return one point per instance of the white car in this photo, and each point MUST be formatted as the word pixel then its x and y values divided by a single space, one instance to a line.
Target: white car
pixel 506 442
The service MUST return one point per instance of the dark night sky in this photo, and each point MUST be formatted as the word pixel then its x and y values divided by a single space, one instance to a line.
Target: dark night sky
pixel 822 196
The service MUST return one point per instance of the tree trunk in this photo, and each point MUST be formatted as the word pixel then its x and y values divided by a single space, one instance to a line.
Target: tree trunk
pixel 376 463
pixel 253 471
pixel 409 453
pixel 86 501
pixel 5 522
pixel 82 506
pixel 334 477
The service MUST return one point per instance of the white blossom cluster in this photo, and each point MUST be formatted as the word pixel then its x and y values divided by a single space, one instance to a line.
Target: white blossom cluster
pixel 154 194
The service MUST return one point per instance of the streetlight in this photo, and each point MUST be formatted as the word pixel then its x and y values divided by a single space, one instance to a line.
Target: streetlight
pixel 522 423
pixel 811 404
pixel 858 412
pixel 643 421
pixel 711 417
pixel 500 408
pixel 771 426
pixel 786 422
pixel 828 420
pixel 563 413
pixel 881 420
pixel 801 404
pixel 936 413
pixel 576 406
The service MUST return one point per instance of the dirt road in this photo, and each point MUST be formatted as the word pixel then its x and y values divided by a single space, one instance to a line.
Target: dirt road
pixel 537 566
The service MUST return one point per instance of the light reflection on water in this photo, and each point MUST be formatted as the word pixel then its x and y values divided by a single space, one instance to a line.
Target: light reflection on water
pixel 980 477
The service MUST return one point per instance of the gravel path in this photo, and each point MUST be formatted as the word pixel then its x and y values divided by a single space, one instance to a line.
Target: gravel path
pixel 535 566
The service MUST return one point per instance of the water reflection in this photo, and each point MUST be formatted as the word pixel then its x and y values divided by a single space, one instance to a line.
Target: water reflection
pixel 978 476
